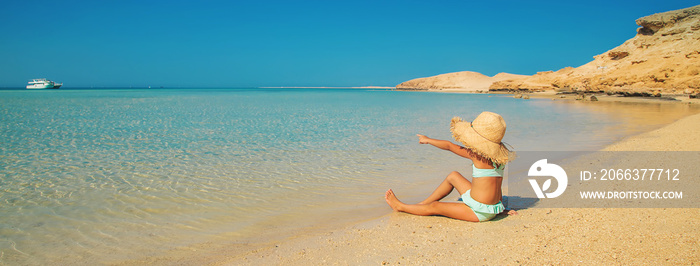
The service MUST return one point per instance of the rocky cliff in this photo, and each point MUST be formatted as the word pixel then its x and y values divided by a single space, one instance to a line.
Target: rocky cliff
pixel 664 57
pixel 459 81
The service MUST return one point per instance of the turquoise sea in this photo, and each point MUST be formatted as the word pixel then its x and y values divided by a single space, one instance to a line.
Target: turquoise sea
pixel 102 176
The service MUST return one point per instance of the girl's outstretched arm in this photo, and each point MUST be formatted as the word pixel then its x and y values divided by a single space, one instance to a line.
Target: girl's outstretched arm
pixel 445 145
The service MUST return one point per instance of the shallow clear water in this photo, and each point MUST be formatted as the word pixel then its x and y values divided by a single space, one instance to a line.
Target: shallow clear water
pixel 104 175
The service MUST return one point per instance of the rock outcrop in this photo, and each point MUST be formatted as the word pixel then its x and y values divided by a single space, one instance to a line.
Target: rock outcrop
pixel 664 56
pixel 459 81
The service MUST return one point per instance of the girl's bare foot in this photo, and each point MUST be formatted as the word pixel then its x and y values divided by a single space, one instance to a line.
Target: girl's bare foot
pixel 512 212
pixel 391 199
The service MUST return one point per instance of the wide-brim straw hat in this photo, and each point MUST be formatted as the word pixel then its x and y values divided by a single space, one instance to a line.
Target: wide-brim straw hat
pixel 483 136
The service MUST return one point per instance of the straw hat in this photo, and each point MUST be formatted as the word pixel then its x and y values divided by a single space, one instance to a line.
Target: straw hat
pixel 483 136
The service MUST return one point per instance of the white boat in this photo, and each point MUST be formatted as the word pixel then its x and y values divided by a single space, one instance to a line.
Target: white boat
pixel 43 84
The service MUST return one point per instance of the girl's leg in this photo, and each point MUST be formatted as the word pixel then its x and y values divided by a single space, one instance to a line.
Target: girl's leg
pixel 456 210
pixel 452 181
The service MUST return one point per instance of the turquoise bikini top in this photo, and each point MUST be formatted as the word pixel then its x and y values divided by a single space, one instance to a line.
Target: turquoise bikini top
pixel 496 171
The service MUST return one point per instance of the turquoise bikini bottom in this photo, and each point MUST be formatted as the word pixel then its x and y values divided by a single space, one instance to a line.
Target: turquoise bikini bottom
pixel 484 212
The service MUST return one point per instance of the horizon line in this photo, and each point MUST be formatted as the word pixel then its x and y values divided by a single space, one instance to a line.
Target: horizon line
pixel 214 87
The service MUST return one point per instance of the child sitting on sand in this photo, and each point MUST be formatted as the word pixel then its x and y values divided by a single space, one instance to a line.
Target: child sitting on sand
pixel 482 196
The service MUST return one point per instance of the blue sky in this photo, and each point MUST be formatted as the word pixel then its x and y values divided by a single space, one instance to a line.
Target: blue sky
pixel 302 43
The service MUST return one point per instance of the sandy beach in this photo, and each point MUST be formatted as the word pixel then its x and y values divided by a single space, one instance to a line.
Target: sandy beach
pixel 534 236
pixel 254 133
